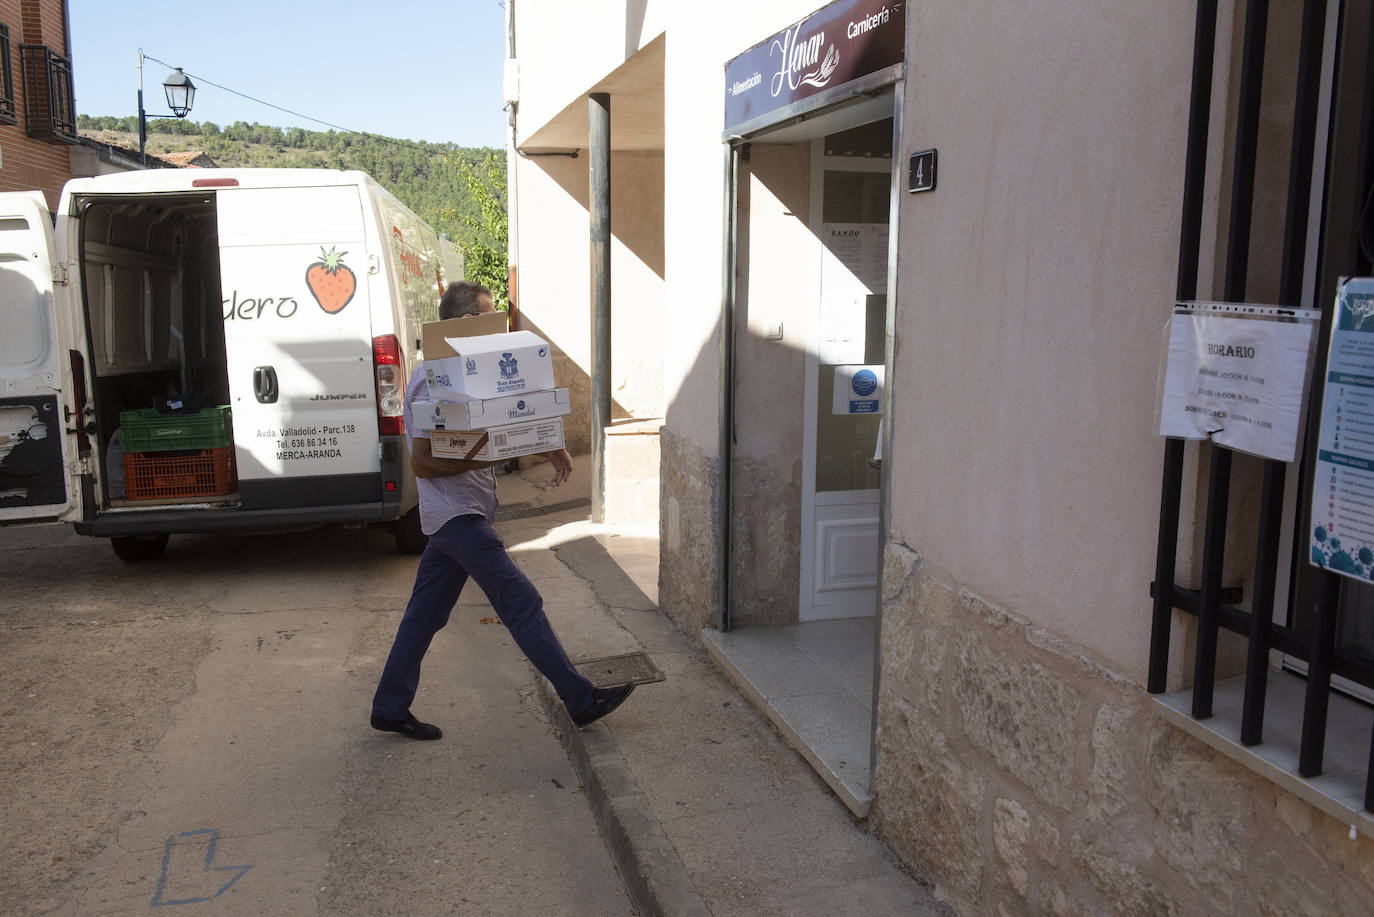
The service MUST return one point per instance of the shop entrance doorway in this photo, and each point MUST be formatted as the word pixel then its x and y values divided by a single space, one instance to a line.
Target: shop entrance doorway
pixel 812 263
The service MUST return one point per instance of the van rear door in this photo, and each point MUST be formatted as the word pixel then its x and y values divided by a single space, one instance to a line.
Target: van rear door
pixel 298 338
pixel 38 432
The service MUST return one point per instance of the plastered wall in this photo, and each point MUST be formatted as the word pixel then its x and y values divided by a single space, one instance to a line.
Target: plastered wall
pixel 555 279
pixel 1034 285
pixel 777 291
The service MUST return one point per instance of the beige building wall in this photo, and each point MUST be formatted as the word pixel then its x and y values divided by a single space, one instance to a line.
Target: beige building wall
pixel 566 49
pixel 609 41
pixel 1032 308
pixel 555 279
pixel 1022 768
pixel 1021 764
pixel 777 289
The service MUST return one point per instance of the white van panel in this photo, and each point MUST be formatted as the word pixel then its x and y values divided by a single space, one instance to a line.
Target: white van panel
pixel 293 267
pixel 417 266
pixel 34 447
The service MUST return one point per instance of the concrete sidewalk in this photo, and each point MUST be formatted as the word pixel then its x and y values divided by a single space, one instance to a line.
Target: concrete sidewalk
pixel 705 809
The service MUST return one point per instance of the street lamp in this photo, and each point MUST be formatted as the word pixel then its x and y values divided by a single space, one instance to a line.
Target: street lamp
pixel 180 91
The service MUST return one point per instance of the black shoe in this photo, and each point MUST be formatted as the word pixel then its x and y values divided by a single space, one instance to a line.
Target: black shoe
pixel 604 700
pixel 409 727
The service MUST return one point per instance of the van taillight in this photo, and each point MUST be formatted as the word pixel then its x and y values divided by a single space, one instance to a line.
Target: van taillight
pixel 391 384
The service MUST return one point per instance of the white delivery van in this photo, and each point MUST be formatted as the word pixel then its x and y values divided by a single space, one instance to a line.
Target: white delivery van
pixel 211 350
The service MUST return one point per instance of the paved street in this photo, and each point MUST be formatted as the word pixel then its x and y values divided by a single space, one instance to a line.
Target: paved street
pixel 196 728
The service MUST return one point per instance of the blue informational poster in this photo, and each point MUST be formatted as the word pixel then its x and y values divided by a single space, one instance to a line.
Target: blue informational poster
pixel 1343 483
pixel 858 389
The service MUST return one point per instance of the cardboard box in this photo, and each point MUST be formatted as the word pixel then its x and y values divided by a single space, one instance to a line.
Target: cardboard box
pixel 501 443
pixel 490 412
pixel 490 366
pixel 434 335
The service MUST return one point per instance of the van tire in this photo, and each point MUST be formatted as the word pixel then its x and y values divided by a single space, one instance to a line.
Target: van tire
pixel 137 548
pixel 406 531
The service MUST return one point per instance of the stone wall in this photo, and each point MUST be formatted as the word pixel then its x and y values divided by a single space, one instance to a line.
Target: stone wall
pixel 1021 777
pixel 687 568
pixel 765 543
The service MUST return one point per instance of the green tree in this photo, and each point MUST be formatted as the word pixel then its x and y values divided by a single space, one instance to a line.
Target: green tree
pixel 484 249
pixel 460 191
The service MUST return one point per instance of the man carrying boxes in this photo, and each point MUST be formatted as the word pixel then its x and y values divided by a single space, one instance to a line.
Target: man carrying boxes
pixel 494 379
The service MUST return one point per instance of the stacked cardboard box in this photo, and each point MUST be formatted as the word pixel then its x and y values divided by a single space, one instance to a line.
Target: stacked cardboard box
pixel 491 392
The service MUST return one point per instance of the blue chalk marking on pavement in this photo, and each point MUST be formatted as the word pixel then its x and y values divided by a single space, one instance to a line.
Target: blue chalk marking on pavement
pixel 209 861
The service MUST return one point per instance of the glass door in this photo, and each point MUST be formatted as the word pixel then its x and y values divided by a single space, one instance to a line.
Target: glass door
pixel 851 177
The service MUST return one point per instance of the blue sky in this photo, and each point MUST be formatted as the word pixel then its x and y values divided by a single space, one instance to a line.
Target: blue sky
pixel 414 69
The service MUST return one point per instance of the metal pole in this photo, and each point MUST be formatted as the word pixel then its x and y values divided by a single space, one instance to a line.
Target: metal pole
pixel 1190 241
pixel 1306 104
pixel 599 207
pixel 1237 265
pixel 725 328
pixel 512 185
pixel 142 119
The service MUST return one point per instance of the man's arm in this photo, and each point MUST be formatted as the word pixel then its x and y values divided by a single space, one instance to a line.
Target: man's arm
pixel 426 465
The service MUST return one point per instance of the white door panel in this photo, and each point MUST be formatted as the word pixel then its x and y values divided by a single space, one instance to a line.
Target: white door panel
pixel 37 454
pixel 298 331
pixel 847 559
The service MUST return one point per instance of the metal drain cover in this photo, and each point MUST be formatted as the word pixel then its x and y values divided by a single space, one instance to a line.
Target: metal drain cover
pixel 618 670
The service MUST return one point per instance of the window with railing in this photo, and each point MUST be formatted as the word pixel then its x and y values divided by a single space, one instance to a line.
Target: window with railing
pixel 1301 621
pixel 49 107
pixel 7 110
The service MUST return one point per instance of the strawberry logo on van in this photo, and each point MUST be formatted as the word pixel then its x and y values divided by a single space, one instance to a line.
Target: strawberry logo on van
pixel 331 282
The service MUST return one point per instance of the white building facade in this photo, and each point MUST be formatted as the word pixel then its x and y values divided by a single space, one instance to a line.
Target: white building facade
pixel 889 287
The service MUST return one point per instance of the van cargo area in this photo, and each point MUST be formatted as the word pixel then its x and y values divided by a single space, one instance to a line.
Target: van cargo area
pixel 155 337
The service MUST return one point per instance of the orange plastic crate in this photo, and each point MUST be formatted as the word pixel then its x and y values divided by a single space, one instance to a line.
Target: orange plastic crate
pixel 166 475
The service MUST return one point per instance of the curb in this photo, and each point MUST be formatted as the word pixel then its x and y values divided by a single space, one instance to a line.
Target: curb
pixel 654 876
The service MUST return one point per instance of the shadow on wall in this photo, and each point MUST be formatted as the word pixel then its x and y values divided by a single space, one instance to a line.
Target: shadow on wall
pixel 577 426
pixel 775 289
pixel 637 227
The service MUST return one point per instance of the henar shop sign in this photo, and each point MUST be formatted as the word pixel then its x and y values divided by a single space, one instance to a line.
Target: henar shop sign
pixel 846 41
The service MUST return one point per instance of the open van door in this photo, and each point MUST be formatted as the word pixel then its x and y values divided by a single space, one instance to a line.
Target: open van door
pixel 294 268
pixel 39 432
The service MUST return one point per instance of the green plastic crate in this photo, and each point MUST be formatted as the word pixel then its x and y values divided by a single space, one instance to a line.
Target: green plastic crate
pixel 146 430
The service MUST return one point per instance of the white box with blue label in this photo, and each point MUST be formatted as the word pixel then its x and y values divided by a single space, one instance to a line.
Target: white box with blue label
pixel 498 443
pixel 490 366
pixel 490 412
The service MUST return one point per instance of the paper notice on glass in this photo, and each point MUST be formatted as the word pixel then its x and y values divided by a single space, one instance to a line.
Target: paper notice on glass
pixel 1238 381
pixel 843 294
pixel 853 266
pixel 1343 483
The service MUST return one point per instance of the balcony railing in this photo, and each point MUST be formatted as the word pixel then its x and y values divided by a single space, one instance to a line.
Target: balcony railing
pixel 49 109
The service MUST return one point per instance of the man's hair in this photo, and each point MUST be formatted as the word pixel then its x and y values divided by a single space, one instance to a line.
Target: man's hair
pixel 461 299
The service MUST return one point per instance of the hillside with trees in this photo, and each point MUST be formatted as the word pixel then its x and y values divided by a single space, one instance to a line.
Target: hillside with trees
pixel 460 191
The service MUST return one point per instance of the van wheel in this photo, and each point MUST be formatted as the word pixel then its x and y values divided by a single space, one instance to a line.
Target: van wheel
pixel 135 548
pixel 406 531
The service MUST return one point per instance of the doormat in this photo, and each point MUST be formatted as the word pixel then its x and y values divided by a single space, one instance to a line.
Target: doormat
pixel 618 670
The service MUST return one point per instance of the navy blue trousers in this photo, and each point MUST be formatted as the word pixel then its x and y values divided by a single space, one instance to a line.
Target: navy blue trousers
pixel 467 546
